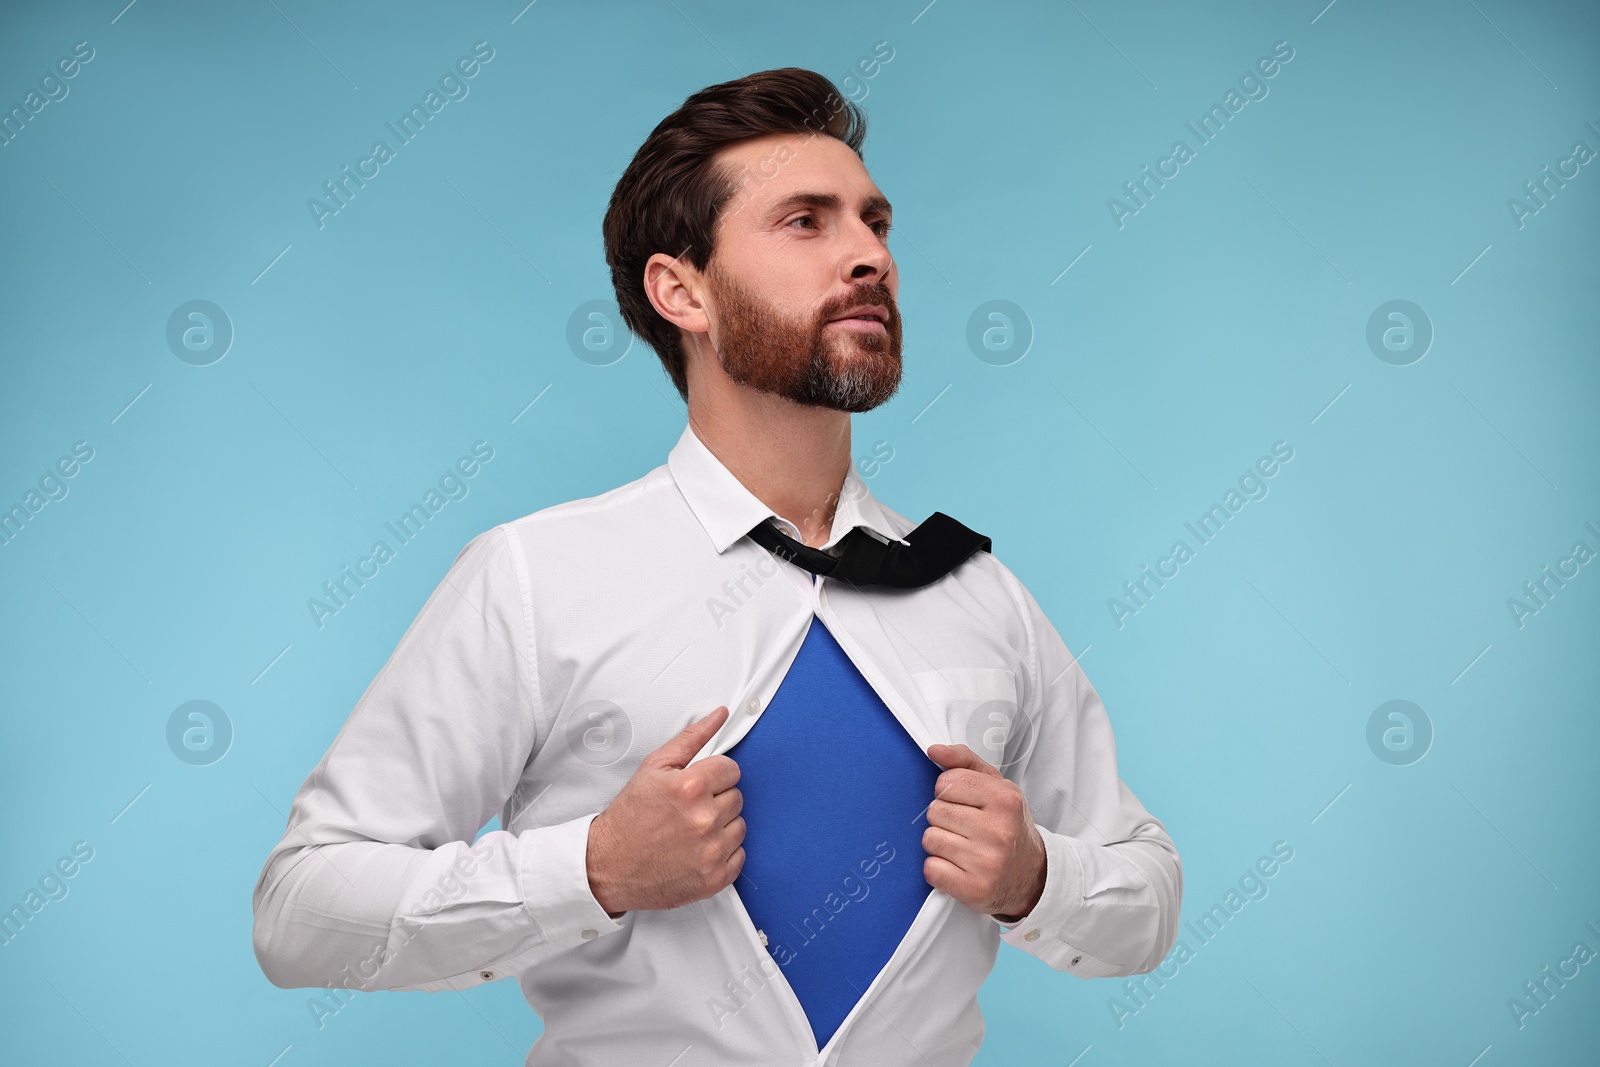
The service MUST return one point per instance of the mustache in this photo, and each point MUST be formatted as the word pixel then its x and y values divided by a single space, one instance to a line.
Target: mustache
pixel 878 295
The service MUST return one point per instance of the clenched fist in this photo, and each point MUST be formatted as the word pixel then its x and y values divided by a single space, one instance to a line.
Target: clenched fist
pixel 673 834
pixel 983 846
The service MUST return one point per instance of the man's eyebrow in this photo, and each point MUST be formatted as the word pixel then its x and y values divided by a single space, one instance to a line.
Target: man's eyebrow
pixel 829 202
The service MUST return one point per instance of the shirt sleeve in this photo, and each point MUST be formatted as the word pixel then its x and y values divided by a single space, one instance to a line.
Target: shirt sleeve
pixel 1113 879
pixel 377 882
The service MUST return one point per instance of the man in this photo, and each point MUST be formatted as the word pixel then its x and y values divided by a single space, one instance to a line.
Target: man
pixel 902 765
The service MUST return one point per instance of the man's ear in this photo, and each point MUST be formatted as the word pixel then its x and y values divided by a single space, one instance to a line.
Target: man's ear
pixel 675 289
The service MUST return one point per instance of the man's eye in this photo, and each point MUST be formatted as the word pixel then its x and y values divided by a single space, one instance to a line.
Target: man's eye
pixel 881 227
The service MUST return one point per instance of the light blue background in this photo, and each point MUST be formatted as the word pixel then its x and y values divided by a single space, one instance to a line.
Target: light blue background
pixel 1230 313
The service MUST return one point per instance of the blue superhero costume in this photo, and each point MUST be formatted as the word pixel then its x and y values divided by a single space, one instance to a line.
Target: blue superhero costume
pixel 835 797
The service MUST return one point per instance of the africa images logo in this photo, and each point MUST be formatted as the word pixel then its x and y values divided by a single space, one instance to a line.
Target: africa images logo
pixel 452 87
pixel 1211 124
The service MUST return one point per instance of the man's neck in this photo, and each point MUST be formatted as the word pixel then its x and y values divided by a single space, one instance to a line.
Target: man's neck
pixel 792 457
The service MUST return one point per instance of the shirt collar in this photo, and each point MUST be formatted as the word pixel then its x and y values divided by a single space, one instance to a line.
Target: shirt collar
pixel 728 511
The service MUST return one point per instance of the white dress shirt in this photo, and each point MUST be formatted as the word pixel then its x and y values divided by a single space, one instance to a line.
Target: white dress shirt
pixel 563 647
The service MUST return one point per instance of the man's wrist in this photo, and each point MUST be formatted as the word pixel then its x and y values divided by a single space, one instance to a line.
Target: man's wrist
pixel 1036 889
pixel 597 890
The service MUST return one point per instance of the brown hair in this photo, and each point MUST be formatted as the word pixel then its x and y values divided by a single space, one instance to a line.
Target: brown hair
pixel 670 197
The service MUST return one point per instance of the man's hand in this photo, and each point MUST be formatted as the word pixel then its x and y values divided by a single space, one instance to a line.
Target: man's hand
pixel 673 834
pixel 983 847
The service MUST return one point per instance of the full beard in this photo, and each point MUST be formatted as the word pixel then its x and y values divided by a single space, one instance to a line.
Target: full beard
pixel 851 370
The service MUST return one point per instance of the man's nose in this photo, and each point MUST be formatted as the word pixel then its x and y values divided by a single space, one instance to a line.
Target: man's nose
pixel 870 258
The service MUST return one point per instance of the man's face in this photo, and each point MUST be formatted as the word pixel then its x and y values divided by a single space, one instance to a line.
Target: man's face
pixel 800 248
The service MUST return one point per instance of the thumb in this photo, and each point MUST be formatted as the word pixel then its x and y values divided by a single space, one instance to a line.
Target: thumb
pixel 679 750
pixel 952 756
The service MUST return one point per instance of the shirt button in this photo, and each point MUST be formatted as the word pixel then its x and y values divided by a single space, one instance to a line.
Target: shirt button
pixel 1075 961
pixel 590 935
pixel 487 976
pixel 1031 935
pixel 752 705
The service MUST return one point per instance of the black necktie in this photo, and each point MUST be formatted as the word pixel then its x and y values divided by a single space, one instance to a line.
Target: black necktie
pixel 931 551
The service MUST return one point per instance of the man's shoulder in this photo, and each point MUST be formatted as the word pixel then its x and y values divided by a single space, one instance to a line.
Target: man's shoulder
pixel 622 508
pixel 982 573
pixel 982 566
pixel 632 510
pixel 1003 592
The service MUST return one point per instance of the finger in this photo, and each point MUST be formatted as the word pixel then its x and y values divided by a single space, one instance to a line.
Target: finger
pixel 952 848
pixel 719 773
pixel 732 802
pixel 963 785
pixel 731 840
pixel 678 751
pixel 953 756
pixel 957 818
pixel 947 877
pixel 714 775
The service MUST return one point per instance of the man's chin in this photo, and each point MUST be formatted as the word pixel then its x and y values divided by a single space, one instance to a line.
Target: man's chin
pixel 877 398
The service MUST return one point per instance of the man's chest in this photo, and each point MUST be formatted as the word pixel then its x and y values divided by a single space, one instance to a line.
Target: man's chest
pixel 619 675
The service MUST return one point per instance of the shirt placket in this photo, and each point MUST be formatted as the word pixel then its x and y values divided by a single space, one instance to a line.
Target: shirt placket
pixel 742 718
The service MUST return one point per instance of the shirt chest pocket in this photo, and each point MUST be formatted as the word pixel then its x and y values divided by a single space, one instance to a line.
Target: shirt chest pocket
pixel 981 708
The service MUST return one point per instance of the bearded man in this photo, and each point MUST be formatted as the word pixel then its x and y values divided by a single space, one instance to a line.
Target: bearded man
pixel 902 765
